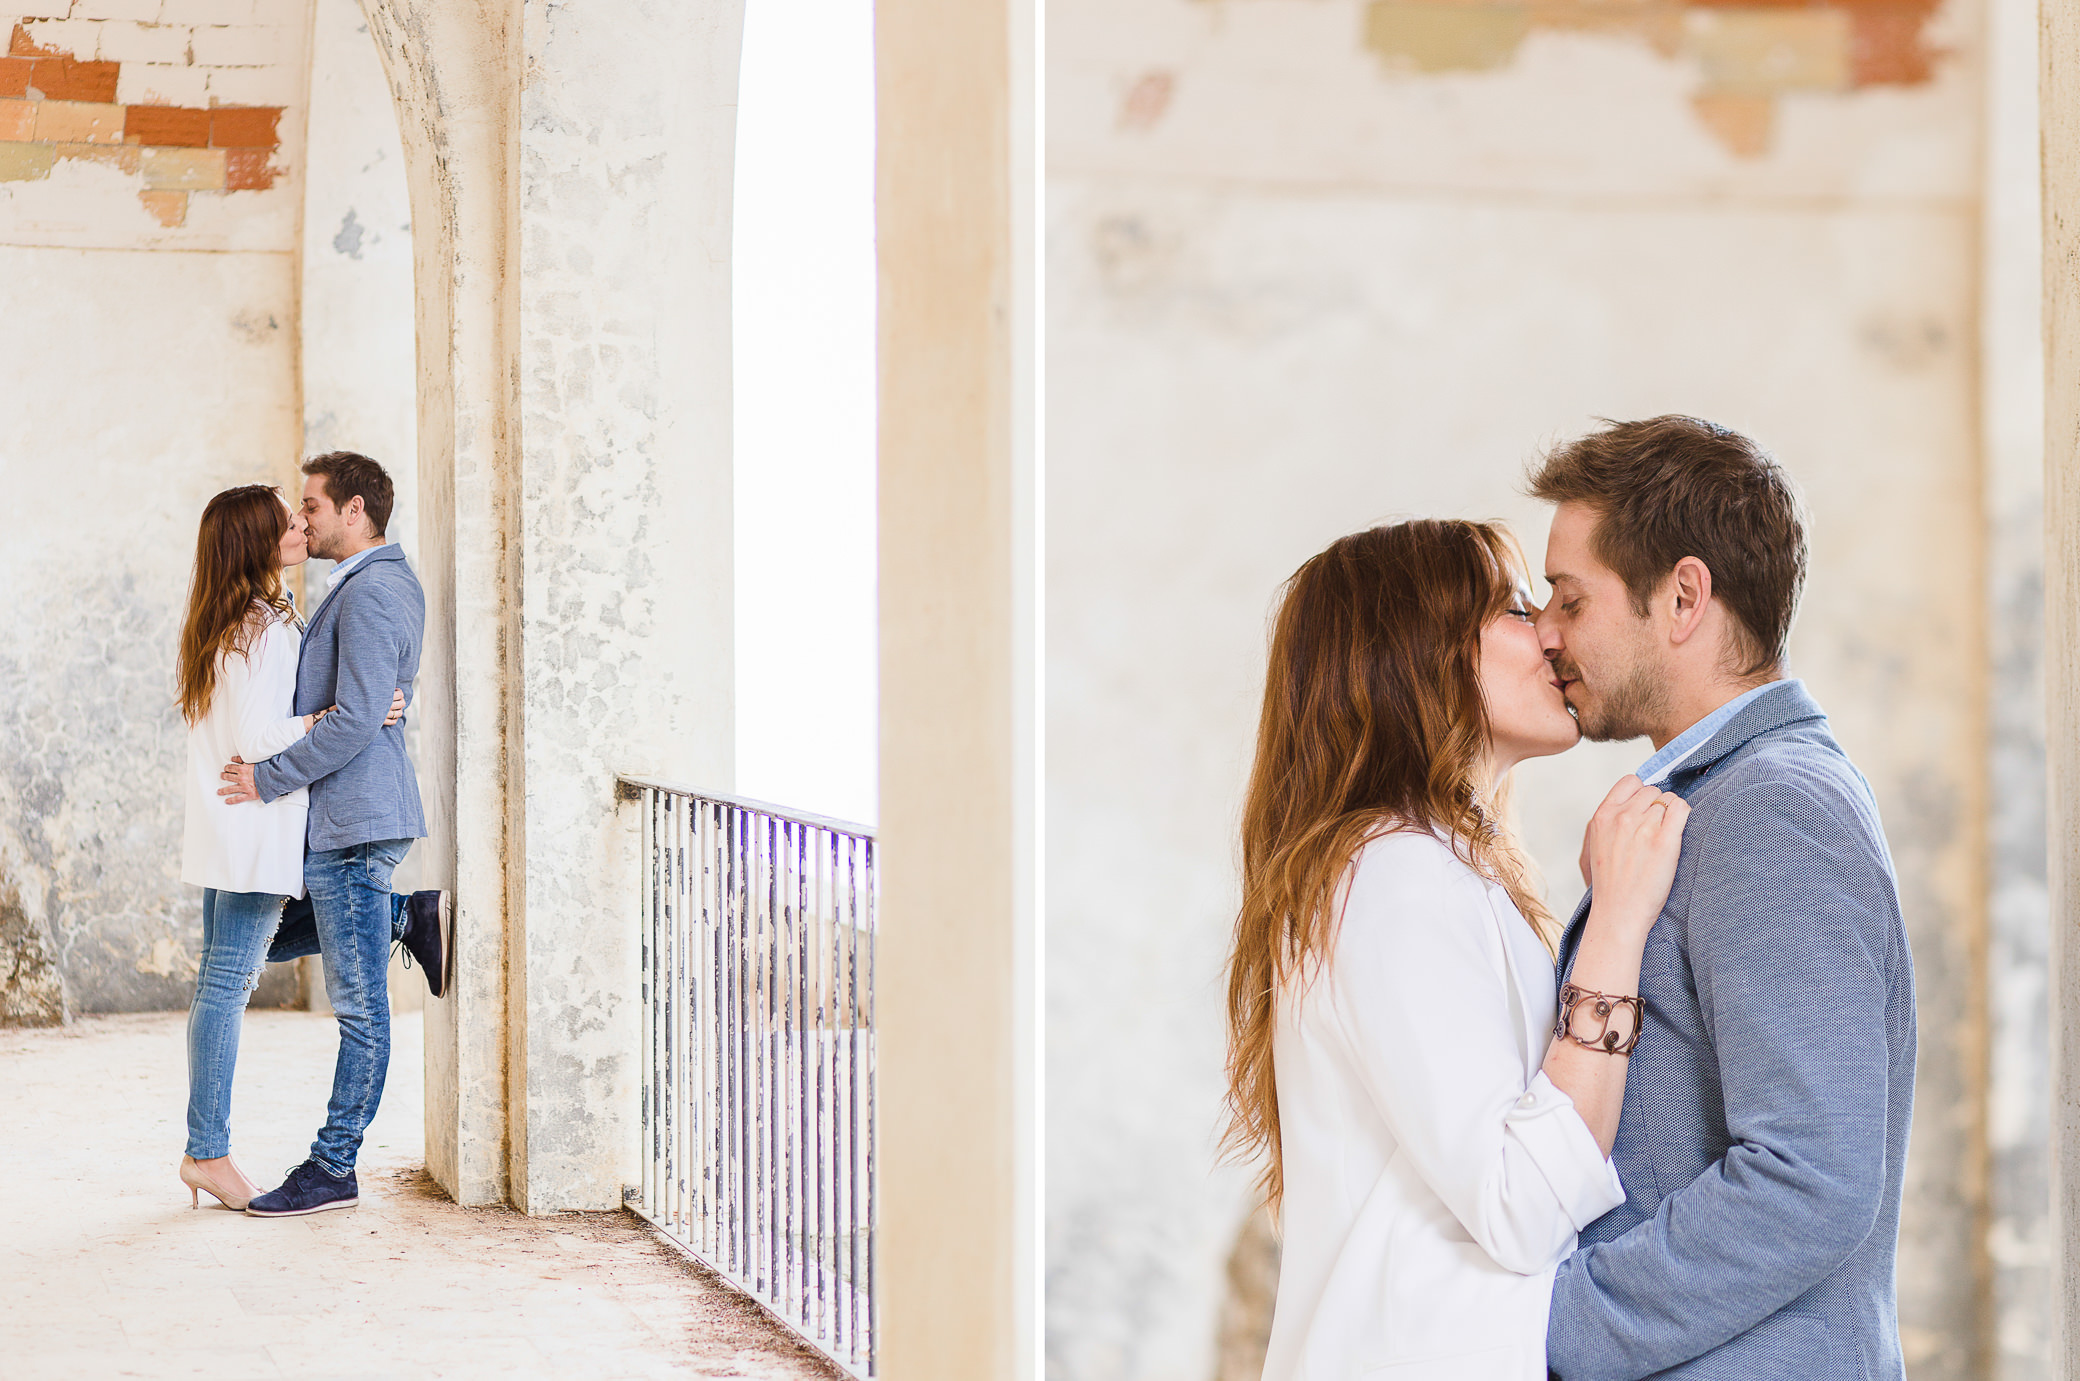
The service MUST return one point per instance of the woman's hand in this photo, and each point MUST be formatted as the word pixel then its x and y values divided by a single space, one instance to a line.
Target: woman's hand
pixel 1634 840
pixel 310 721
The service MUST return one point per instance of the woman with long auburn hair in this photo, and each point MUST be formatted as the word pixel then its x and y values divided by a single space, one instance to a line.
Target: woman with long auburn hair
pixel 237 673
pixel 1432 1138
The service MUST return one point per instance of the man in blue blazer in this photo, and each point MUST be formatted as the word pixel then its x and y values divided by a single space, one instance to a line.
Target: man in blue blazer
pixel 1764 1134
pixel 362 642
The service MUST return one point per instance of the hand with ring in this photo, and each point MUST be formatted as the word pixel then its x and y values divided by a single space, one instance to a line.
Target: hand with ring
pixel 239 773
pixel 1634 842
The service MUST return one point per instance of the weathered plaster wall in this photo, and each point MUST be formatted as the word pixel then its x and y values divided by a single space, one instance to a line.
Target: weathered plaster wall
pixel 152 362
pixel 359 369
pixel 1300 289
pixel 627 143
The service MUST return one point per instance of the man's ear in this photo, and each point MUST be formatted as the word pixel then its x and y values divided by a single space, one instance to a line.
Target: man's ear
pixel 1689 587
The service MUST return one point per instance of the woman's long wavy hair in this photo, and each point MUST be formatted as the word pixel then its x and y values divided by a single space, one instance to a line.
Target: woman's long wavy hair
pixel 237 587
pixel 1373 721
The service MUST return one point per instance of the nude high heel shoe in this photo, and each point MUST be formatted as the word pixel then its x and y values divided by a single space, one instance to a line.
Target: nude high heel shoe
pixel 197 1179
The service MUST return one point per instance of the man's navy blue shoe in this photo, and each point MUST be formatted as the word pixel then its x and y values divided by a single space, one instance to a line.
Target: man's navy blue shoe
pixel 310 1188
pixel 429 937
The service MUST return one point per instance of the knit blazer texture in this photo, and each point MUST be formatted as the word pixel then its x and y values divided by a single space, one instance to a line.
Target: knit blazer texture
pixel 1763 1143
pixel 361 644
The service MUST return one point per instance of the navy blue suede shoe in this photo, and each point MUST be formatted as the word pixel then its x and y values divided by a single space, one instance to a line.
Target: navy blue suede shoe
pixel 429 937
pixel 310 1188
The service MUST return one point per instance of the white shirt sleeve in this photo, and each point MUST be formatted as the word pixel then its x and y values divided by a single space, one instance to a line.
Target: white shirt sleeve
pixel 1420 989
pixel 261 690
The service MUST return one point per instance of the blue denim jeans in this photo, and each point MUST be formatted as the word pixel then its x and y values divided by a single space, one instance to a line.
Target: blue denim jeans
pixel 355 916
pixel 297 935
pixel 236 928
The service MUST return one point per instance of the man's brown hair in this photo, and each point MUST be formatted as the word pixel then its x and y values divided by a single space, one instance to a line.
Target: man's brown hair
pixel 349 476
pixel 1671 487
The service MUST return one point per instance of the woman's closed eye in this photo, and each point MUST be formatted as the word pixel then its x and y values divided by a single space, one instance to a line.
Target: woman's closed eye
pixel 1526 614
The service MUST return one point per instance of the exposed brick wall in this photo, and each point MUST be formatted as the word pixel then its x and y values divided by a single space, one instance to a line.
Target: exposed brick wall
pixel 1747 52
pixel 185 97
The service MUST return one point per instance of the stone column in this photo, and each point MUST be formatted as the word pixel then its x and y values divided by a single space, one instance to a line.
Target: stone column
pixel 2060 58
pixel 454 70
pixel 627 145
pixel 958 534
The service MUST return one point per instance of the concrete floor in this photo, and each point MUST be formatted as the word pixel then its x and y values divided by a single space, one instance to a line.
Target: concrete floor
pixel 106 1272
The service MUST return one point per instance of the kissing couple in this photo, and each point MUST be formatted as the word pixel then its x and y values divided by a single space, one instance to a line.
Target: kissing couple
pixel 300 803
pixel 1664 1140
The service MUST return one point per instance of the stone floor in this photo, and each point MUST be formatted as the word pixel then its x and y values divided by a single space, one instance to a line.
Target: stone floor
pixel 106 1272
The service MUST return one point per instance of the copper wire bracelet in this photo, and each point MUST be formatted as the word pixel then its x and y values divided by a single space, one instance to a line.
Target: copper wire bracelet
pixel 1607 1041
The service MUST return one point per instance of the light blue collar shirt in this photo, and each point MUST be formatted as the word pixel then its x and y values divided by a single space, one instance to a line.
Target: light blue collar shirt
pixel 339 572
pixel 1656 769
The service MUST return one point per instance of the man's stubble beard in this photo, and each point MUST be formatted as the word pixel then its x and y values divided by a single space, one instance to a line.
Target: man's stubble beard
pixel 1636 701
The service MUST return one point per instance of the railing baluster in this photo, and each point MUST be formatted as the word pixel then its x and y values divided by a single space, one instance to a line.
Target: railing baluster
pixel 757 980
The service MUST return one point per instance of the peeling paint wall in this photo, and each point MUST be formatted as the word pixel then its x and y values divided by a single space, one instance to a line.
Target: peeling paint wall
pixel 1747 56
pixel 1295 287
pixel 627 145
pixel 158 122
pixel 151 361
pixel 360 371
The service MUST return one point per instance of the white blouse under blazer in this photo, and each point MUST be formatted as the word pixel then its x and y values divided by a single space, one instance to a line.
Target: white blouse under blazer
pixel 250 847
pixel 1434 1177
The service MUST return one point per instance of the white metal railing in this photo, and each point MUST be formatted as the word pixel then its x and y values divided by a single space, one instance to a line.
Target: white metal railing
pixel 758 1083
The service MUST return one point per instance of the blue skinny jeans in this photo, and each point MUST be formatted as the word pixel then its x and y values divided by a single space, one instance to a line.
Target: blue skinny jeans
pixel 236 929
pixel 353 917
pixel 243 931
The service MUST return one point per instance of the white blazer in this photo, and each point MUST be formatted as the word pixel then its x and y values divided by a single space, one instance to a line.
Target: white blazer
pixel 250 847
pixel 1434 1177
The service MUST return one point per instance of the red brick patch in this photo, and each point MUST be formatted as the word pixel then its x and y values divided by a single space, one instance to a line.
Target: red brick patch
pixel 1886 46
pixel 245 127
pixel 53 106
pixel 62 79
pixel 167 126
pixel 23 46
pixel 247 170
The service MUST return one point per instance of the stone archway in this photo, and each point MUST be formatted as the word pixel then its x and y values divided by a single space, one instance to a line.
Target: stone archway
pixel 571 232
